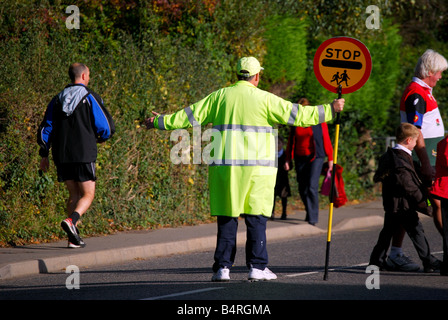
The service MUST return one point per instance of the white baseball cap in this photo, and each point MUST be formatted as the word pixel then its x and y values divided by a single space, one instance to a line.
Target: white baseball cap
pixel 248 66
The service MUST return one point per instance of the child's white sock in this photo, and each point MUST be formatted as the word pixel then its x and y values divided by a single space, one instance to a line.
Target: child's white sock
pixel 395 251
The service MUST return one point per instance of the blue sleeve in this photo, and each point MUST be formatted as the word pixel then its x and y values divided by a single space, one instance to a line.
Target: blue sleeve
pixel 103 125
pixel 415 109
pixel 45 130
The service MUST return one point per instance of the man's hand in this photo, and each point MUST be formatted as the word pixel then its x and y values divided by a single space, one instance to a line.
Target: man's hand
pixel 44 164
pixel 149 123
pixel 338 105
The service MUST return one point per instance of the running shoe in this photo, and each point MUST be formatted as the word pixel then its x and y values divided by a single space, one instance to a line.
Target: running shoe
pixel 71 230
pixel 258 274
pixel 76 246
pixel 221 275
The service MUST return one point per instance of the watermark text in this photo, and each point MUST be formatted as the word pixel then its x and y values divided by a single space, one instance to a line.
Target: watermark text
pixel 72 21
pixel 373 280
pixel 73 280
pixel 373 21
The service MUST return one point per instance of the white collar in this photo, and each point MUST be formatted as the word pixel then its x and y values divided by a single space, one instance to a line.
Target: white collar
pixel 400 147
pixel 422 83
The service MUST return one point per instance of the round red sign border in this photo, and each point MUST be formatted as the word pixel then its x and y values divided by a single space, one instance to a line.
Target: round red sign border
pixel 364 78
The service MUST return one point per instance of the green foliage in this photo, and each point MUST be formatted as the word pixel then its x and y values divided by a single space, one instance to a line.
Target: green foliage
pixel 163 55
pixel 285 58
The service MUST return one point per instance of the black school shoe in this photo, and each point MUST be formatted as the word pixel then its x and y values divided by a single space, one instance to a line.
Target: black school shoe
pixel 433 267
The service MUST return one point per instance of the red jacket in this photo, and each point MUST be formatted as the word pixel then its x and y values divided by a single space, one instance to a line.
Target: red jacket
pixel 301 143
pixel 440 185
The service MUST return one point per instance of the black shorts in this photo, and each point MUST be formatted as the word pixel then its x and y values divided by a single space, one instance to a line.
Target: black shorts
pixel 79 172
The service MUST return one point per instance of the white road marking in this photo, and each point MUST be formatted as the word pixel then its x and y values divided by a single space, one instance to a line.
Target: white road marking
pixel 183 293
pixel 318 271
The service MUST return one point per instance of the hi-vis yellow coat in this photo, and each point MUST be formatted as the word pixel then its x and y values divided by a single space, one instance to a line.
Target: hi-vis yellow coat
pixel 243 162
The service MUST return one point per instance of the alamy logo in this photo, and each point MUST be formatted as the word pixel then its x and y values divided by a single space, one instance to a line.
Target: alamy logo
pixel 227 145
pixel 373 280
pixel 72 21
pixel 373 21
pixel 72 281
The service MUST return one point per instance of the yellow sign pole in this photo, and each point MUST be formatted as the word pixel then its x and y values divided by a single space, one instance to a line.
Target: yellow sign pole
pixel 333 174
pixel 337 61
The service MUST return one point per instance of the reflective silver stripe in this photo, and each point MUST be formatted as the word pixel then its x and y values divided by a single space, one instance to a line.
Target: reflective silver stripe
pixel 42 139
pixel 92 164
pixel 161 124
pixel 321 111
pixel 243 127
pixel 191 117
pixel 243 163
pixel 293 115
pixel 245 131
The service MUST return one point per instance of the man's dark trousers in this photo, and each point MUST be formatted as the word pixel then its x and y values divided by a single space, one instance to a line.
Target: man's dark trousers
pixel 256 253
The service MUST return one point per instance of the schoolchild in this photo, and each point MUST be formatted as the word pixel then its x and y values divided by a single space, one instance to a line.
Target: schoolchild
pixel 403 195
pixel 282 188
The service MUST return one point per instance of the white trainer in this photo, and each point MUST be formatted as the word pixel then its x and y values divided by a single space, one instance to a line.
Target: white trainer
pixel 402 263
pixel 258 274
pixel 223 274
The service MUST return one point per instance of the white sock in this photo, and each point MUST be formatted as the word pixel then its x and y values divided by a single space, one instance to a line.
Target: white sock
pixel 395 251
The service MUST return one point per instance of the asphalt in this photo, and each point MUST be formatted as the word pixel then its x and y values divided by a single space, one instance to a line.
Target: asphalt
pixel 121 247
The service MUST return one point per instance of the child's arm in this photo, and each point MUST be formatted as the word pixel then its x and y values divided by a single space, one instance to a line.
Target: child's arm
pixel 411 187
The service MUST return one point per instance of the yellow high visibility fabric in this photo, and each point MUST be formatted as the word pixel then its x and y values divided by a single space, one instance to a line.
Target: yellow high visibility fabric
pixel 242 179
